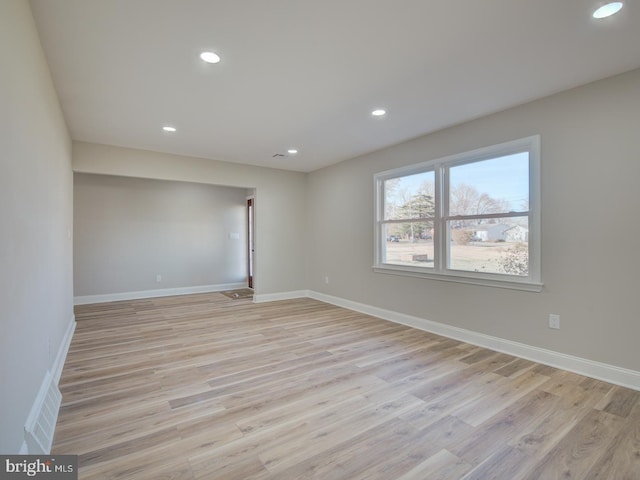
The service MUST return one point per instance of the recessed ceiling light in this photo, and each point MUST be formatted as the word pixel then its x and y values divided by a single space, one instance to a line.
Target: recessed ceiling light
pixel 292 151
pixel 210 57
pixel 607 10
pixel 168 128
pixel 379 112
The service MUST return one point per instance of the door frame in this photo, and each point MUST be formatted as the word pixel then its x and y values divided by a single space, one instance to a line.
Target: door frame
pixel 251 240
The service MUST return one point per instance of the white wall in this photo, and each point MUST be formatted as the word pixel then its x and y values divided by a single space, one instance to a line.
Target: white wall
pixel 280 206
pixel 590 227
pixel 36 191
pixel 129 230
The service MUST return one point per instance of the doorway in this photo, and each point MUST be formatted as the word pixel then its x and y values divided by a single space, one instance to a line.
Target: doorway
pixel 250 240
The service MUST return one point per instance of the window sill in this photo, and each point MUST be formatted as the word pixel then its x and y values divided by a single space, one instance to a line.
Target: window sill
pixel 448 277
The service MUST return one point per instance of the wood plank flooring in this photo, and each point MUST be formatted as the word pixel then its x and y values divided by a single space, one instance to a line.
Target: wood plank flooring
pixel 206 387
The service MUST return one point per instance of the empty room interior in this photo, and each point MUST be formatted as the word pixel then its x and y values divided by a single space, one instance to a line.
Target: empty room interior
pixel 321 239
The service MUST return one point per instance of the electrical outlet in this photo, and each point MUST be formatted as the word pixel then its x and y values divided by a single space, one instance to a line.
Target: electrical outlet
pixel 554 321
pixel 326 280
pixel 158 278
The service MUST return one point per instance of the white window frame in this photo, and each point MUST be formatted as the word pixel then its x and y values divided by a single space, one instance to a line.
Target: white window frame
pixel 441 166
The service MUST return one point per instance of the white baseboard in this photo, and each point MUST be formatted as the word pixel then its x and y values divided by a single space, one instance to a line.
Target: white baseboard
pixel 273 297
pixel 163 292
pixel 58 363
pixel 601 371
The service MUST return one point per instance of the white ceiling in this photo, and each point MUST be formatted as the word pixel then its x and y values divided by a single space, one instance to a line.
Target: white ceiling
pixel 306 74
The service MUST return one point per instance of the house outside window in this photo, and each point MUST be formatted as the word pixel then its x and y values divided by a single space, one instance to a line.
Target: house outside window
pixel 473 217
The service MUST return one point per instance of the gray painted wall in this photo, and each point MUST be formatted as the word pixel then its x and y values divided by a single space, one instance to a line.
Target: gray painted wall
pixel 36 292
pixel 590 230
pixel 129 230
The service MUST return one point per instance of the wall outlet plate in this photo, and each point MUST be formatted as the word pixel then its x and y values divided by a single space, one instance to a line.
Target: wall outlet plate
pixel 554 321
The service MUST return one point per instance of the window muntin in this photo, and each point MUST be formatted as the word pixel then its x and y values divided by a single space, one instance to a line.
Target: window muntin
pixel 472 217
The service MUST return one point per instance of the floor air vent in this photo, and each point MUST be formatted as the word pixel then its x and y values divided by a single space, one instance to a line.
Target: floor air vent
pixel 41 422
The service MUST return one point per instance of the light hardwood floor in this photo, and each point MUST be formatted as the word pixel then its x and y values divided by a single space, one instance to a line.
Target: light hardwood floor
pixel 205 387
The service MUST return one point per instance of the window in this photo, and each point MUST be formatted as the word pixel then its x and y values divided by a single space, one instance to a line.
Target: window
pixel 471 218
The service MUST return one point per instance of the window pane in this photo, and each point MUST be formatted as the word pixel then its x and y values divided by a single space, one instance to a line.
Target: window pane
pixel 409 243
pixel 499 185
pixel 409 197
pixel 501 247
